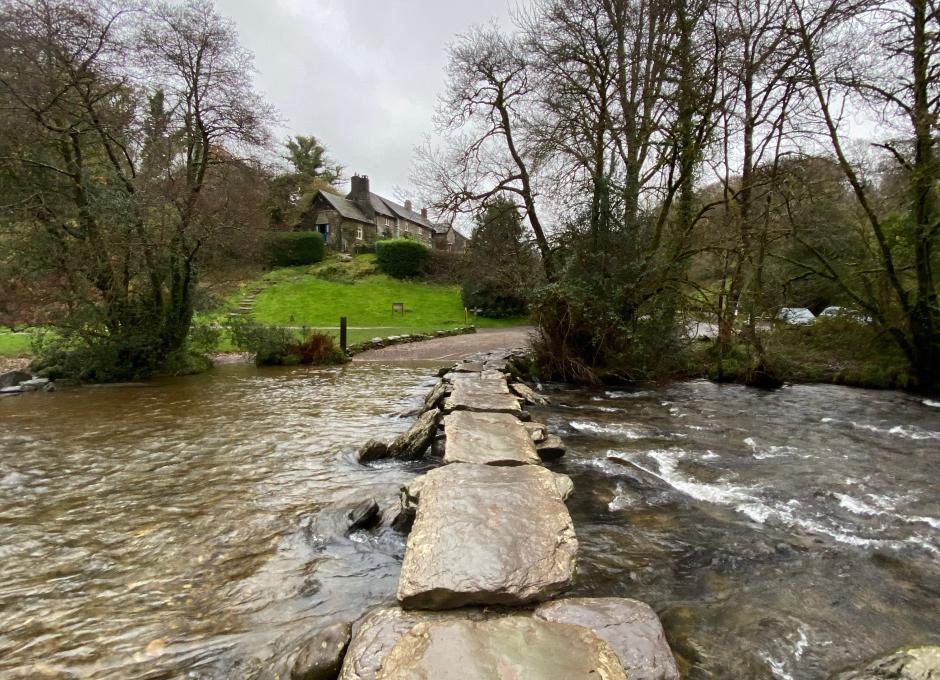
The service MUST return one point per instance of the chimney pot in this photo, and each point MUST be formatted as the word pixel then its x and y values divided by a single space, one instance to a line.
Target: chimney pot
pixel 424 213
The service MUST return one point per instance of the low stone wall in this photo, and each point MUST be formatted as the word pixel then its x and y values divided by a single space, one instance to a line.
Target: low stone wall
pixel 379 343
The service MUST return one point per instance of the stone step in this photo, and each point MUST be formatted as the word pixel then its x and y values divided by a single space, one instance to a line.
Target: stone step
pixel 481 394
pixel 486 535
pixel 630 629
pixel 487 439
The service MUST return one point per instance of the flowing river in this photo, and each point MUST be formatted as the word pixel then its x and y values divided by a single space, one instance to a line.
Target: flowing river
pixel 193 527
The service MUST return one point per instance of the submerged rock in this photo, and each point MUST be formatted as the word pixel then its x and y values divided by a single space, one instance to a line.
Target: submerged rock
pixel 321 656
pixel 510 647
pixel 374 449
pixel 364 516
pixel 529 395
pixel 414 442
pixel 914 663
pixel 13 378
pixel 487 439
pixel 630 627
pixel 551 447
pixel 488 535
pixel 536 431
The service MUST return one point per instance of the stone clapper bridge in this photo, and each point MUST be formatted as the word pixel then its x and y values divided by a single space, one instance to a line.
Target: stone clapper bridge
pixel 492 545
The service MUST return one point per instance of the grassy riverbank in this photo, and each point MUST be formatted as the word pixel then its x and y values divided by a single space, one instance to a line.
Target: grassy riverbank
pixel 317 296
pixel 835 351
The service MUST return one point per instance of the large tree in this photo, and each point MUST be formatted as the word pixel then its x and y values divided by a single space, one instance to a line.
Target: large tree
pixel 123 124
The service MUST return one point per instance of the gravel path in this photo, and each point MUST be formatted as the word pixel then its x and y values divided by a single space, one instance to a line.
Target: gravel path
pixel 452 348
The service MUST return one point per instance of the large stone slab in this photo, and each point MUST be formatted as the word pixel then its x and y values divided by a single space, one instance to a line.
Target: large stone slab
pixel 913 663
pixel 488 535
pixel 487 439
pixel 515 647
pixel 630 627
pixel 380 630
pixel 482 395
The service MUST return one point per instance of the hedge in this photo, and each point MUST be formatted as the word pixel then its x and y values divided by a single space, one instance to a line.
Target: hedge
pixel 293 248
pixel 401 257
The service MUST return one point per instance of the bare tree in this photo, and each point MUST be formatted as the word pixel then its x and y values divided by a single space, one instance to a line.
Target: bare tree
pixel 886 55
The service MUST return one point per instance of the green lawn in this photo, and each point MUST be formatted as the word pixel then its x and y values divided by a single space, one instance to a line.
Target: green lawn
pixel 14 344
pixel 304 299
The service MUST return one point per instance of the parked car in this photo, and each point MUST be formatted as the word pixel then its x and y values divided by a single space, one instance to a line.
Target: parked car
pixel 845 312
pixel 799 316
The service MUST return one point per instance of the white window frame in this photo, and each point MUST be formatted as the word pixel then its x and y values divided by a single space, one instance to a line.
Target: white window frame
pixel 359 233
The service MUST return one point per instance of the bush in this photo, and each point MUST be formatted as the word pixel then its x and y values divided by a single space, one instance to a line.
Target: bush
pixel 443 266
pixel 295 248
pixel 277 346
pixel 401 257
pixel 364 249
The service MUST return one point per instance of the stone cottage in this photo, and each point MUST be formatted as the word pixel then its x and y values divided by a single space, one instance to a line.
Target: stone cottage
pixel 363 218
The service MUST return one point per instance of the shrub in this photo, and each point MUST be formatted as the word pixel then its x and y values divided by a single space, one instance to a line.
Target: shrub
pixel 401 257
pixel 364 249
pixel 294 248
pixel 277 346
pixel 443 266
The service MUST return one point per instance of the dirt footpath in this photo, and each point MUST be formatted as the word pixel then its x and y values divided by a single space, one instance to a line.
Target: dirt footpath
pixel 452 348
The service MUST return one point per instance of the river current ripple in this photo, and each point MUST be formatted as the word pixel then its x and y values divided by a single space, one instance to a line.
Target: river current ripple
pixel 194 528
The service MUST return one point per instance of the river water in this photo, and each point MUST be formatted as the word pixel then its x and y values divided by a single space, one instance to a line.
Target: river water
pixel 193 528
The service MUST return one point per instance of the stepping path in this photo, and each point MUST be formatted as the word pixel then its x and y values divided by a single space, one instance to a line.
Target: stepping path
pixel 492 530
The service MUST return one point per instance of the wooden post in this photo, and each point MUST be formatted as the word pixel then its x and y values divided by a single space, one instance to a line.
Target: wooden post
pixel 466 316
pixel 342 333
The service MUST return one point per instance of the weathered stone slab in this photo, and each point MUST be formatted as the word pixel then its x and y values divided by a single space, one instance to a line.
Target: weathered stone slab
pixel 551 447
pixel 913 663
pixel 487 439
pixel 375 636
pixel 529 395
pixel 486 379
pixel 630 627
pixel 482 395
pixel 510 647
pixel 537 431
pixel 320 656
pixel 488 535
pixel 406 446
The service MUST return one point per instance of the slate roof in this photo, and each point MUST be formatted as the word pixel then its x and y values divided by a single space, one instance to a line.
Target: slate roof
pixel 345 207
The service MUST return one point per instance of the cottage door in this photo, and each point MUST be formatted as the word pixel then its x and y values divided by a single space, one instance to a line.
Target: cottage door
pixel 324 230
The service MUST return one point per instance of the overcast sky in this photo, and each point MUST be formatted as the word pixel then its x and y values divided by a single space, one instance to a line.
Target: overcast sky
pixel 362 76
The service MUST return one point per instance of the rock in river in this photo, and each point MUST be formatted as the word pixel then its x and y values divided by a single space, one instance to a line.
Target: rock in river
pixel 630 627
pixel 408 445
pixel 551 447
pixel 375 636
pixel 914 663
pixel 529 395
pixel 13 378
pixel 321 656
pixel 488 535
pixel 487 439
pixel 510 647
pixel 364 516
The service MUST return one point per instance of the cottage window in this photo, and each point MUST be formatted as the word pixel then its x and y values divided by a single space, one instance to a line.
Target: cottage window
pixel 359 233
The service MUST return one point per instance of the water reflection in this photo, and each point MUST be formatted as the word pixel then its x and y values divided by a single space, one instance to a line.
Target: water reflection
pixel 149 530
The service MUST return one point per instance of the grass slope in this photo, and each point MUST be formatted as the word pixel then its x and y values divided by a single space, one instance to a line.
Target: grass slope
pixel 14 344
pixel 318 296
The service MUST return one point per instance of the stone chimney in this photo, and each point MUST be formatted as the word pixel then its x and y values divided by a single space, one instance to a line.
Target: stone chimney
pixel 360 188
pixel 408 206
pixel 424 213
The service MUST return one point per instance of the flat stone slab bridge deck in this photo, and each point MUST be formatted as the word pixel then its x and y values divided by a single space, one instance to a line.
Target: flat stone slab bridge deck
pixel 491 539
